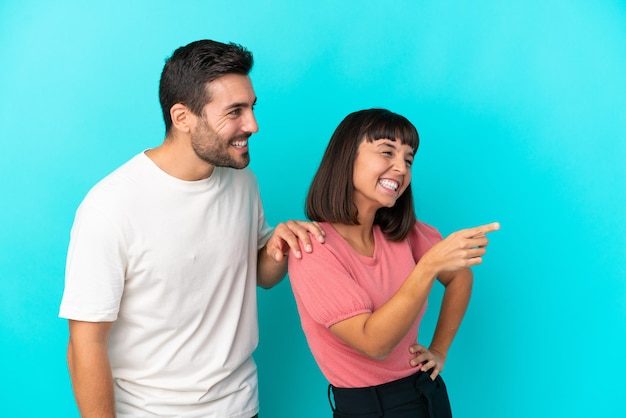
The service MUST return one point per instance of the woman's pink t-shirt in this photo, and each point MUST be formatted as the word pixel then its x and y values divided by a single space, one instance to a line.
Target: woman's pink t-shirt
pixel 334 283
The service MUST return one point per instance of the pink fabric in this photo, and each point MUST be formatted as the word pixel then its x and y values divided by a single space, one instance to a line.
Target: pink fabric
pixel 334 283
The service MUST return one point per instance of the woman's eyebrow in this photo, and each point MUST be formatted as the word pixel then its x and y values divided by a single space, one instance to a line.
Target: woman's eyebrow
pixel 391 143
pixel 387 142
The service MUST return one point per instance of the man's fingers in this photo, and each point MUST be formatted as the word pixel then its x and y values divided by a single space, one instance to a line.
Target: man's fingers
pixel 302 234
pixel 294 244
pixel 315 229
pixel 276 254
pixel 296 235
pixel 283 234
pixel 279 244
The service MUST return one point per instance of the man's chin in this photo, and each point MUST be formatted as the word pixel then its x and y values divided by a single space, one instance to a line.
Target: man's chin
pixel 240 163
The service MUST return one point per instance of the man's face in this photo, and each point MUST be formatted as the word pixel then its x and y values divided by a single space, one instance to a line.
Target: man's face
pixel 220 137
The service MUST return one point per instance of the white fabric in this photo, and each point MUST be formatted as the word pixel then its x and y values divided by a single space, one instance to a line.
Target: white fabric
pixel 173 263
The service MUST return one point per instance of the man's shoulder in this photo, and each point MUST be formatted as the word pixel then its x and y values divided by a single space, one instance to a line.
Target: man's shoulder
pixel 120 183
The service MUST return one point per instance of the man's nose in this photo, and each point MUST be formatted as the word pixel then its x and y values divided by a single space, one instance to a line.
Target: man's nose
pixel 251 125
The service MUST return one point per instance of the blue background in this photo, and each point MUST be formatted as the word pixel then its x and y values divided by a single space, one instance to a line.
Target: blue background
pixel 521 107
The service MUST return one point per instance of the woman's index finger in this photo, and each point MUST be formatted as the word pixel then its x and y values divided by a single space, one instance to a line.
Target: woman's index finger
pixel 482 229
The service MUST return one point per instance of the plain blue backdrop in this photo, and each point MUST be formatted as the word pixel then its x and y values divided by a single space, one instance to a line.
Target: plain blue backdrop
pixel 521 108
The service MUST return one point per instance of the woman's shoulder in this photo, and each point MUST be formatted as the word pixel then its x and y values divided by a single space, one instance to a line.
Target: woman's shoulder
pixel 333 241
pixel 426 230
pixel 422 237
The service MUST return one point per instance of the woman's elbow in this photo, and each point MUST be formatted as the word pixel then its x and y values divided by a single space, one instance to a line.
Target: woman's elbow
pixel 378 353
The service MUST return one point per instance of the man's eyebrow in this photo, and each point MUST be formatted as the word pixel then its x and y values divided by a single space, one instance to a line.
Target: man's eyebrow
pixel 240 104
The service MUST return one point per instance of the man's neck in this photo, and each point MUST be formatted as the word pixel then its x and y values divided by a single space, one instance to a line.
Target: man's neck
pixel 176 157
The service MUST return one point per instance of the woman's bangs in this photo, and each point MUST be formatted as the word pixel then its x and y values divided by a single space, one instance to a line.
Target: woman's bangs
pixel 394 127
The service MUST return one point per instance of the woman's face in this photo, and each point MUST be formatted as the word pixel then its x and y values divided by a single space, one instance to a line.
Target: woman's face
pixel 382 172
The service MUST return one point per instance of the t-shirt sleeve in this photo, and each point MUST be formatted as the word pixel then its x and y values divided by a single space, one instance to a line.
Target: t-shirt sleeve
pixel 324 287
pixel 421 238
pixel 265 230
pixel 94 277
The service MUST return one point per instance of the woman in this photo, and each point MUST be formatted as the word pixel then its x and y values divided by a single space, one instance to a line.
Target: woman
pixel 362 294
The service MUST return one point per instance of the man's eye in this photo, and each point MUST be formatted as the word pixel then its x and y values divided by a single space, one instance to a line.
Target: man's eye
pixel 235 112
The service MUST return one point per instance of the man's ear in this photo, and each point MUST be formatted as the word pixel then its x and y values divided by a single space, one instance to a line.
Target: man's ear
pixel 182 117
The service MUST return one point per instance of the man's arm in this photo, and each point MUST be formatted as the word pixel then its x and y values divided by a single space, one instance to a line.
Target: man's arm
pixel 272 260
pixel 270 271
pixel 90 371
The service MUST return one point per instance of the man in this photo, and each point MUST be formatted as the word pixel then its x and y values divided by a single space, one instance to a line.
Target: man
pixel 166 252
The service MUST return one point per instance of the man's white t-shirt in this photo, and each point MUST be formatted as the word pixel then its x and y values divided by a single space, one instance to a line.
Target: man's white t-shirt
pixel 173 264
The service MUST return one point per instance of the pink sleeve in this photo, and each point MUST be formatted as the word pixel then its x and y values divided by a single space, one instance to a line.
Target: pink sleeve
pixel 422 238
pixel 324 287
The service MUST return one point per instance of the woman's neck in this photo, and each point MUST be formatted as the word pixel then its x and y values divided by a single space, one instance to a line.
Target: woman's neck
pixel 359 237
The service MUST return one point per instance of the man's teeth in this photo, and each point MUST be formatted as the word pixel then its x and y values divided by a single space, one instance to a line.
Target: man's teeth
pixel 389 184
pixel 240 144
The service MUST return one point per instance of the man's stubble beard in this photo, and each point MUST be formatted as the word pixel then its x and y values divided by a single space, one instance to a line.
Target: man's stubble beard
pixel 211 148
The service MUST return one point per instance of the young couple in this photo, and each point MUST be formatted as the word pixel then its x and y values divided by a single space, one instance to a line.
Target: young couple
pixel 166 252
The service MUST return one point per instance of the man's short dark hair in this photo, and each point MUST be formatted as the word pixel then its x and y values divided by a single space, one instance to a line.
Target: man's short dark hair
pixel 331 193
pixel 188 71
